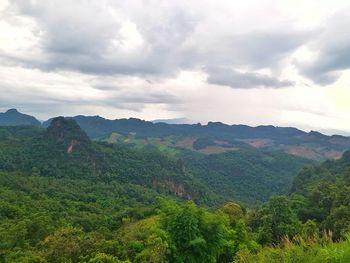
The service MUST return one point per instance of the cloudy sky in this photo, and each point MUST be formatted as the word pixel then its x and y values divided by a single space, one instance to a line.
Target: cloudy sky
pixel 284 63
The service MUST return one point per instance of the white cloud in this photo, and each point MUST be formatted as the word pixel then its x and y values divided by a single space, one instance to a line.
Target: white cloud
pixel 155 59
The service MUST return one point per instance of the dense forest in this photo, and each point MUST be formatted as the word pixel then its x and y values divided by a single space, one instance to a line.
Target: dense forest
pixel 246 175
pixel 65 151
pixel 65 198
pixel 312 145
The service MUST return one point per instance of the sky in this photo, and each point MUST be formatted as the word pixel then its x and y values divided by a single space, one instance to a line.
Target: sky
pixel 254 62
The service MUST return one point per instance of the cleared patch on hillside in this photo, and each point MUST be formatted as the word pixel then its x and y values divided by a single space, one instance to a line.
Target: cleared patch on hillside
pixel 259 142
pixel 215 149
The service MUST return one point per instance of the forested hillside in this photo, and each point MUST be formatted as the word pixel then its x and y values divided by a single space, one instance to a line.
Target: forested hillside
pixel 246 175
pixel 225 170
pixel 186 131
pixel 49 219
pixel 65 151
pixel 308 221
pixel 216 137
pixel 66 198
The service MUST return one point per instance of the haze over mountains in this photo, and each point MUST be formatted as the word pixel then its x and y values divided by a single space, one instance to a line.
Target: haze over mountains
pixel 232 162
pixel 215 137
pixel 13 117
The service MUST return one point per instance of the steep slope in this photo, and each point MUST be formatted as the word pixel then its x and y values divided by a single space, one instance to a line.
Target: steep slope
pixel 65 151
pixel 246 175
pixel 233 161
pixel 240 172
pixel 12 117
pixel 322 193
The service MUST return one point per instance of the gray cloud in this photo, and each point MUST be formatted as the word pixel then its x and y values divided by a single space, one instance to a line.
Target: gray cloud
pixel 63 57
pixel 244 80
pixel 139 99
pixel 87 36
pixel 54 94
pixel 332 46
pixel 52 106
pixel 255 49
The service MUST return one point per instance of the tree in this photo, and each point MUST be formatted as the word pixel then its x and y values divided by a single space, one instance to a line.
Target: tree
pixel 276 219
pixel 69 244
pixel 195 235
pixel 104 258
pixel 234 211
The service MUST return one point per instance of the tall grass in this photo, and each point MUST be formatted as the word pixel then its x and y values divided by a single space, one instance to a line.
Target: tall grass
pixel 301 250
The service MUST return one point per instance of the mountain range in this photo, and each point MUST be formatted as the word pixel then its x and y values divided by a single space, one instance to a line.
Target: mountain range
pixel 215 137
pixel 226 162
pixel 136 190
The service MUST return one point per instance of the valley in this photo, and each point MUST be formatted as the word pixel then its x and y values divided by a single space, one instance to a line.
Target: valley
pixel 73 190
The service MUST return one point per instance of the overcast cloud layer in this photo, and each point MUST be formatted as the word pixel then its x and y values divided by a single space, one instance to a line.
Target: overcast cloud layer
pixel 253 62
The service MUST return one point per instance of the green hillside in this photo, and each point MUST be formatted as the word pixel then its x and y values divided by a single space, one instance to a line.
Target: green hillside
pixel 65 198
pixel 48 219
pixel 217 137
pixel 65 151
pixel 245 174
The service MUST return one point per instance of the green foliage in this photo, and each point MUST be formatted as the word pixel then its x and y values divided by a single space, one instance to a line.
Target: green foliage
pixel 65 151
pixel 275 220
pixel 195 235
pixel 103 258
pixel 69 244
pixel 230 171
pixel 300 251
pixel 202 143
pixel 234 211
pixel 64 198
pixel 41 211
pixel 247 175
pixel 143 241
pixel 325 191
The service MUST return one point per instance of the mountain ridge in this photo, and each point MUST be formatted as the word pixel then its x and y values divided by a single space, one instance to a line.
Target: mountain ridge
pixel 64 150
pixel 311 145
pixel 13 117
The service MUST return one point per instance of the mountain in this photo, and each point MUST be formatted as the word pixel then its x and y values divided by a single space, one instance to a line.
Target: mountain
pixel 67 198
pixel 217 137
pixel 12 117
pixel 64 150
pixel 233 162
pixel 239 172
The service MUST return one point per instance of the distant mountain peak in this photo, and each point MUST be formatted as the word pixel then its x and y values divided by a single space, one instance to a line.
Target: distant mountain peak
pixel 62 121
pixel 316 134
pixel 9 111
pixel 61 128
pixel 67 131
pixel 13 117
